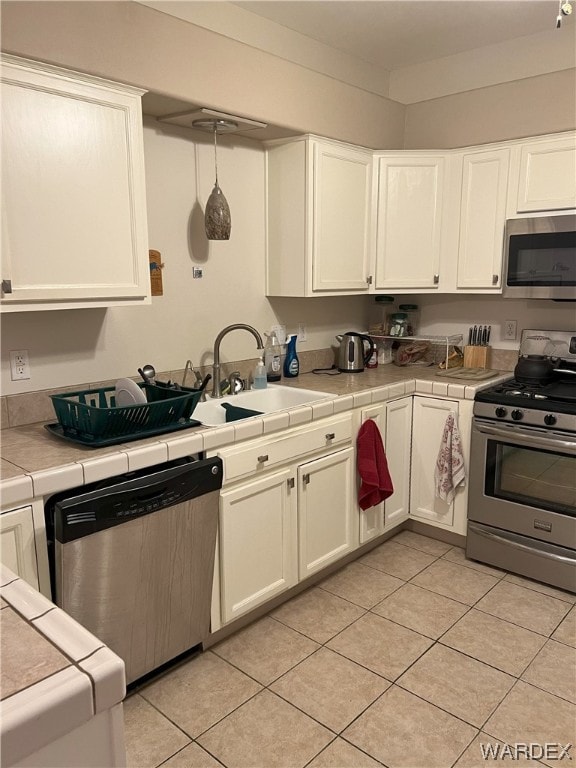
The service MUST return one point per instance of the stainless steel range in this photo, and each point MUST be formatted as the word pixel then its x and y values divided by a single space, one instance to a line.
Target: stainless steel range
pixel 522 496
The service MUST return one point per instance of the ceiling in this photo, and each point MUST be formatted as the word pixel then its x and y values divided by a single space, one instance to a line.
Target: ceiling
pixel 406 50
pixel 398 33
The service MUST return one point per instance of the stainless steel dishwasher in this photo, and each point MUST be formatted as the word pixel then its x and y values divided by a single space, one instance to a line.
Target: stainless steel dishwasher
pixel 133 557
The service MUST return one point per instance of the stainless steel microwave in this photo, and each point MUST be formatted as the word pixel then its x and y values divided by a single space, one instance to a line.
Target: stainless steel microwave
pixel 540 258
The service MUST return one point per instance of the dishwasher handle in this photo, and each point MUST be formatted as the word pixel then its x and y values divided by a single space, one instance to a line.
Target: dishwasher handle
pixel 80 514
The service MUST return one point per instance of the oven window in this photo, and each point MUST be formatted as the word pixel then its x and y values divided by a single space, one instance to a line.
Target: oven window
pixel 541 479
pixel 544 259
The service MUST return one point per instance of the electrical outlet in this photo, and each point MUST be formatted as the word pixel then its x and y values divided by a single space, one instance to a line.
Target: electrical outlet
pixel 510 330
pixel 301 332
pixel 19 365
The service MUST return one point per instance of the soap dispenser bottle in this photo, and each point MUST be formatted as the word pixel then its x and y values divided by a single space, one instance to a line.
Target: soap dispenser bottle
pixel 260 380
pixel 291 363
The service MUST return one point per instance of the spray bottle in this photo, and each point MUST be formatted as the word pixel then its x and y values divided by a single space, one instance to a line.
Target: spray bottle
pixel 291 363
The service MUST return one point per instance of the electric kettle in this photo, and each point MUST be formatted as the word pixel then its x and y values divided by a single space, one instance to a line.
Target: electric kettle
pixel 352 356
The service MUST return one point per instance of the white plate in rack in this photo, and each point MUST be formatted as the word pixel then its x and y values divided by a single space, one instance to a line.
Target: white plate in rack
pixel 128 393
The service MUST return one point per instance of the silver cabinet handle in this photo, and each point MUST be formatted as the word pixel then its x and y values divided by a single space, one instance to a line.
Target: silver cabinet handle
pixel 305 479
pixel 290 482
pixel 495 279
pixel 6 286
pixel 436 279
pixel 330 435
pixel 263 458
pixel 369 279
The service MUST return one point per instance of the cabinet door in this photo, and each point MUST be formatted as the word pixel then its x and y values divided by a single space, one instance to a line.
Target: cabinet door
pixel 342 201
pixel 429 417
pixel 17 545
pixel 482 219
pixel 547 178
pixel 327 520
pixel 372 519
pixel 73 195
pixel 258 543
pixel 409 225
pixel 398 446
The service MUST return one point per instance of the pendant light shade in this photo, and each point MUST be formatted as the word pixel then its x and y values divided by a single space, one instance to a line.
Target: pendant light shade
pixel 217 219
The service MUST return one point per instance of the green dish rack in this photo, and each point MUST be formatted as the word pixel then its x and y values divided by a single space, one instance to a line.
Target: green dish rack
pixel 91 415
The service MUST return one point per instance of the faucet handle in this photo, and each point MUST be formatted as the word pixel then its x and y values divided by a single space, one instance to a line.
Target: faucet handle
pixel 236 383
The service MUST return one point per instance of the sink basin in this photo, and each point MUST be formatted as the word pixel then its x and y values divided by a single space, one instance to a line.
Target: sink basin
pixel 274 398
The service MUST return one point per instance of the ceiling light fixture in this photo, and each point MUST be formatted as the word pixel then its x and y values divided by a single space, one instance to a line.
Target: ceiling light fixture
pixel 564 9
pixel 217 219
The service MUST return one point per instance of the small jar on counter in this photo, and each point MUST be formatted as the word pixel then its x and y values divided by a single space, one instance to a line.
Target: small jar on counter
pixel 398 324
pixel 413 318
pixel 379 315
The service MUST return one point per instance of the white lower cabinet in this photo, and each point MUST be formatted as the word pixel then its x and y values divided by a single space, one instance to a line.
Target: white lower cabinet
pixel 258 542
pixel 398 446
pixel 394 420
pixel 286 511
pixel 372 519
pixel 17 544
pixel 429 418
pixel 327 520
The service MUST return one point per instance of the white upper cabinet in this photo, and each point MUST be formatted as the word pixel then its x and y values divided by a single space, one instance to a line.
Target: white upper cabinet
pixel 482 219
pixel 319 205
pixel 74 228
pixel 409 222
pixel 547 175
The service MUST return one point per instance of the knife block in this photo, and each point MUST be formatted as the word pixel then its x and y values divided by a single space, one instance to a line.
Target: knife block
pixel 476 357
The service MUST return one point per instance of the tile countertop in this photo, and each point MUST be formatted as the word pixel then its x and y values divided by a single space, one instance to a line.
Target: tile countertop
pixel 55 675
pixel 34 463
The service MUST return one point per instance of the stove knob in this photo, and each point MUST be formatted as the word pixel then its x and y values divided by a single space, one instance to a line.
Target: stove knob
pixel 517 415
pixel 501 412
pixel 550 419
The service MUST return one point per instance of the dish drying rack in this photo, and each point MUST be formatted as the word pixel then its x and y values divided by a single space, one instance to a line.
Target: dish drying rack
pixel 451 340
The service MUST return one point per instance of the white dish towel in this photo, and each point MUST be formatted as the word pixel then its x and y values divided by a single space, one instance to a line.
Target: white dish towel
pixel 450 470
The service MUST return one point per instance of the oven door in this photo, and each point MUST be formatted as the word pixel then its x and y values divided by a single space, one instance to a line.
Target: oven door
pixel 522 502
pixel 524 480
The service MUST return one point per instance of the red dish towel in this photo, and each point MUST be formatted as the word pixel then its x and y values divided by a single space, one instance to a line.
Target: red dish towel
pixel 376 483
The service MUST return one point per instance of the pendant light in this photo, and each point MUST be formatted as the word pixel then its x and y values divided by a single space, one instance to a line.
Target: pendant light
pixel 217 220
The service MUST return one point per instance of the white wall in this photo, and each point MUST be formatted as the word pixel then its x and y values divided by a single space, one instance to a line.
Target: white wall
pixel 69 347
pixel 528 107
pixel 131 43
pixel 445 314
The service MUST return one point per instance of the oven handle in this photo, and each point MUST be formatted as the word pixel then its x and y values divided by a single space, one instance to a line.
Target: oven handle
pixel 513 541
pixel 527 437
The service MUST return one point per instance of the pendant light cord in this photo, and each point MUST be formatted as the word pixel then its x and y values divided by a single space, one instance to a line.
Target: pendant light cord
pixel 215 154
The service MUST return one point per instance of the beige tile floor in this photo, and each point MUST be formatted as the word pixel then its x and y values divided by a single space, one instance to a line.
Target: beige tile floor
pixel 410 657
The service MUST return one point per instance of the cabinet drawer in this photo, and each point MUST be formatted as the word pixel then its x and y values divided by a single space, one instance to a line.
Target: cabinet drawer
pixel 260 455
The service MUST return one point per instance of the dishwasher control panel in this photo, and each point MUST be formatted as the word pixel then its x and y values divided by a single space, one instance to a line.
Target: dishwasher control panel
pixel 82 511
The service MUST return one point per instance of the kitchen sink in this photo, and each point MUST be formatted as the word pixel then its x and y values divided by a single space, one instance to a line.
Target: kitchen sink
pixel 275 397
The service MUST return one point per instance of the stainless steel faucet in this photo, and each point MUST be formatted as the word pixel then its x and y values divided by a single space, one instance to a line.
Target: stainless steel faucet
pixel 216 365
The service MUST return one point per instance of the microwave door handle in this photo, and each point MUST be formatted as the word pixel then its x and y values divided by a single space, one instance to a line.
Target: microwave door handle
pixel 514 541
pixel 525 437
